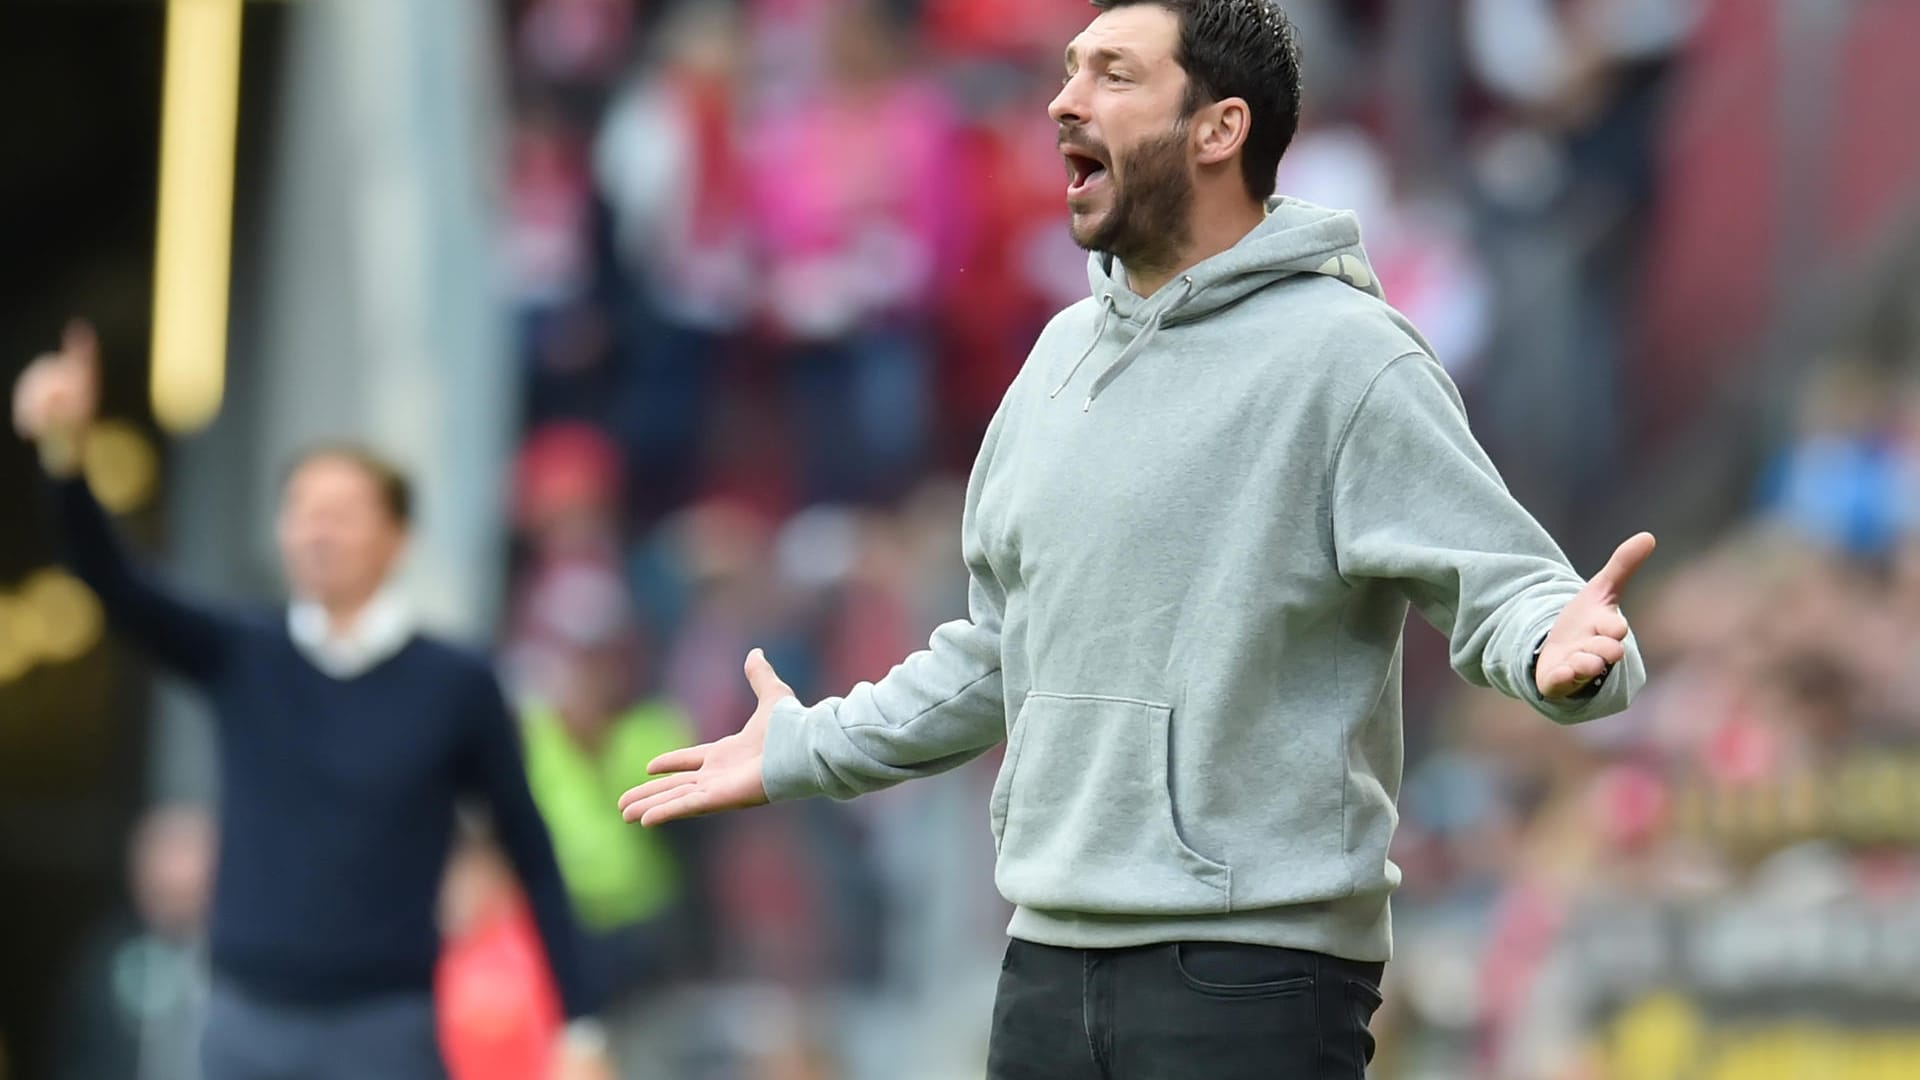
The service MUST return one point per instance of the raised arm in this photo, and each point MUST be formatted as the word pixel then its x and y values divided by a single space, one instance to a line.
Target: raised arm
pixel 54 405
pixel 1417 502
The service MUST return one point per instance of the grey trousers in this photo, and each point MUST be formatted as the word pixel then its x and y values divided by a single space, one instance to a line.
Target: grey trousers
pixel 384 1038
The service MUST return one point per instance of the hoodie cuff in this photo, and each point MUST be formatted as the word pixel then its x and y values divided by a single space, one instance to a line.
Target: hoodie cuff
pixel 786 762
pixel 1623 681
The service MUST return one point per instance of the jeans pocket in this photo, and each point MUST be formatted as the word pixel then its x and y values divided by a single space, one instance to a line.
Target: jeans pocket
pixel 1242 971
pixel 1366 1000
pixel 1368 994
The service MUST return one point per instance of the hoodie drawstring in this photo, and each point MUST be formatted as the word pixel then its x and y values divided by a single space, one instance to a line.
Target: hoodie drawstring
pixel 1137 346
pixel 1099 331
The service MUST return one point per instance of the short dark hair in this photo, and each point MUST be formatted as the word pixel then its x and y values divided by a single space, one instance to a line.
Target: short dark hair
pixel 396 493
pixel 1247 49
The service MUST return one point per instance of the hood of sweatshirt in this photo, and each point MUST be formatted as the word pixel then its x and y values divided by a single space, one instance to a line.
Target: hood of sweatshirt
pixel 1296 238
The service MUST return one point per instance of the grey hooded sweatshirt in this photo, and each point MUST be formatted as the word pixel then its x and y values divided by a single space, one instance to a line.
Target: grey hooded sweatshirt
pixel 1194 529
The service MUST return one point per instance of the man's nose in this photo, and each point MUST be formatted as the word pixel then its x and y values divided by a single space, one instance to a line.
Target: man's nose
pixel 1067 109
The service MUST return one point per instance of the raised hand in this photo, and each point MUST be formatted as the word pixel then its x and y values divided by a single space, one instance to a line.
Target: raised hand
pixel 722 775
pixel 56 397
pixel 1590 635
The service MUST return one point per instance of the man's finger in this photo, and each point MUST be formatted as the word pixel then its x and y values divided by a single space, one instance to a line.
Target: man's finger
pixel 1587 666
pixel 1627 560
pixel 637 811
pixel 26 397
pixel 1560 681
pixel 1613 625
pixel 760 675
pixel 635 802
pixel 79 345
pixel 679 761
pixel 33 381
pixel 654 787
pixel 693 804
pixel 34 397
pixel 1610 649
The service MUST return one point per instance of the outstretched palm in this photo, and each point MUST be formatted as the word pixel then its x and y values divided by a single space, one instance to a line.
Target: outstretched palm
pixel 1590 635
pixel 721 775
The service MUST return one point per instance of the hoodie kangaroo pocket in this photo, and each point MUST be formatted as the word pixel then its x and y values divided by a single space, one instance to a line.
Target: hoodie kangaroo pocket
pixel 1085 816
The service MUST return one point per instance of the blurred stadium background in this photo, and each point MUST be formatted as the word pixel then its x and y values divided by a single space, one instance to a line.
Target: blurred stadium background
pixel 688 317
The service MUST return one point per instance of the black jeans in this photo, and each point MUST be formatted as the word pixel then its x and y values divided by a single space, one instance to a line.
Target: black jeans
pixel 1175 1012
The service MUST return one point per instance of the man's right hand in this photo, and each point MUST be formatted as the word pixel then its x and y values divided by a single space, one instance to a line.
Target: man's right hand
pixel 722 775
pixel 56 398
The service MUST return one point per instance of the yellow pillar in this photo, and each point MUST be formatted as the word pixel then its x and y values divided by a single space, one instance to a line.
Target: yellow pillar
pixel 192 264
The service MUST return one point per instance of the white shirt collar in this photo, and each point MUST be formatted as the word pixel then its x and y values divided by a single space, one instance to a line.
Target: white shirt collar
pixel 380 631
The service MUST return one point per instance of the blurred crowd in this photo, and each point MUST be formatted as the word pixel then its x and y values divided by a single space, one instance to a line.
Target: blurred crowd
pixel 774 263
pixel 1724 881
pixel 771 264
pixel 735 224
pixel 772 278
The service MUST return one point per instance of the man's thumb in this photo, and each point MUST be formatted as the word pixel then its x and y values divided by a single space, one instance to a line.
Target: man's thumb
pixel 760 675
pixel 1627 560
pixel 80 344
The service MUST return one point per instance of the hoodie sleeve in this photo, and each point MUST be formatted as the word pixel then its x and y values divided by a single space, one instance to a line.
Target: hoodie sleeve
pixel 1416 502
pixel 937 710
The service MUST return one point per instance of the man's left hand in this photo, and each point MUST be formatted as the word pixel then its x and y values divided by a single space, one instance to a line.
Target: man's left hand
pixel 1590 635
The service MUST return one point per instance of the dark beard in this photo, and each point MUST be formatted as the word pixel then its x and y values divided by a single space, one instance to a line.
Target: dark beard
pixel 1147 226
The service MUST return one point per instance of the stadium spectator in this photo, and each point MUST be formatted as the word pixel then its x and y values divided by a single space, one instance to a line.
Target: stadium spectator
pixel 496 1007
pixel 857 212
pixel 670 163
pixel 560 333
pixel 136 1002
pixel 634 895
pixel 346 738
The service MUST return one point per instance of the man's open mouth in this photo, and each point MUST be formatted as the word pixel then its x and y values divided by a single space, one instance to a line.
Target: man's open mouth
pixel 1084 170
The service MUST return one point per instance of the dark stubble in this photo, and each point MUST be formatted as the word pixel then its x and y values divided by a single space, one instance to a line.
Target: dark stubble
pixel 1147 224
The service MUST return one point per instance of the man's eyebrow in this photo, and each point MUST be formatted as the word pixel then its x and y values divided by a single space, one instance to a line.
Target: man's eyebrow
pixel 1108 53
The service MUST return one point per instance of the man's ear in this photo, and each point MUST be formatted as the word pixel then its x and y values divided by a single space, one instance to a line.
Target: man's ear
pixel 1220 130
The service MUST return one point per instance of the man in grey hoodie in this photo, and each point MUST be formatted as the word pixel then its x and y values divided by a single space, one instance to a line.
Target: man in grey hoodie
pixel 1194 530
